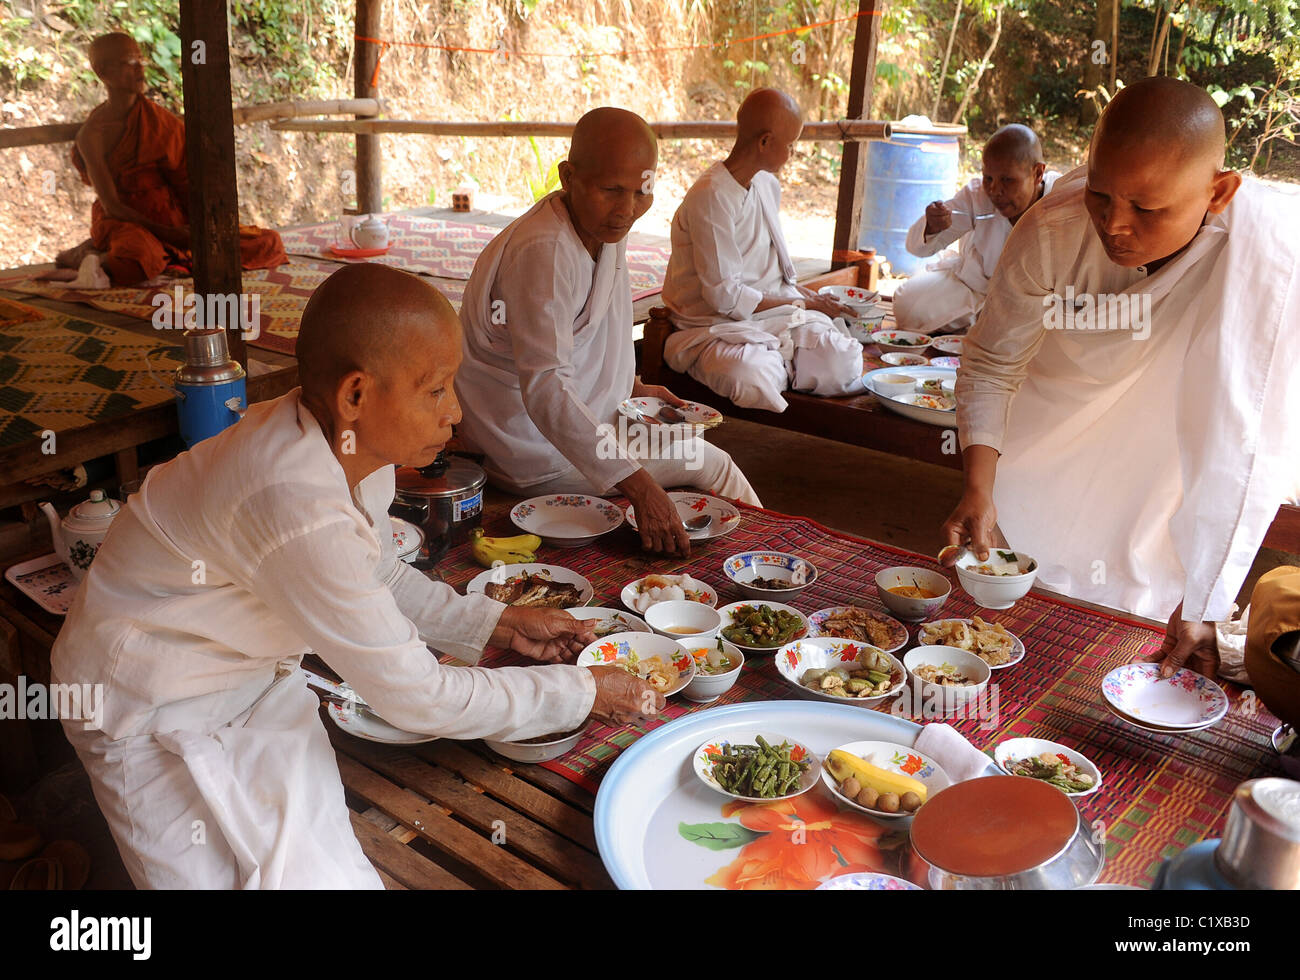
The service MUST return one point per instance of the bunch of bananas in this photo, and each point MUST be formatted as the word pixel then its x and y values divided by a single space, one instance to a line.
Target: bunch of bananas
pixel 520 549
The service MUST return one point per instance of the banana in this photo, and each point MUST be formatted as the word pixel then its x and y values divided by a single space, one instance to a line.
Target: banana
pixel 842 765
pixel 519 549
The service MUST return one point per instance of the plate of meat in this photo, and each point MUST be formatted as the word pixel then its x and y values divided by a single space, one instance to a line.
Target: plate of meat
pixel 533 584
pixel 862 625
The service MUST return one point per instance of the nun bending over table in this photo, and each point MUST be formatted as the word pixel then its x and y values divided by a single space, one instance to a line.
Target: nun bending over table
pixel 548 345
pixel 745 327
pixel 1128 397
pixel 209 758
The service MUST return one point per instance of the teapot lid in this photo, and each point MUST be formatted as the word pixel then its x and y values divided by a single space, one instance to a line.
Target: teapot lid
pixel 98 508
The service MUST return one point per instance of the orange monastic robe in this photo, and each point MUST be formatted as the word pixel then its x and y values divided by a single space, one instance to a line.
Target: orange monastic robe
pixel 149 170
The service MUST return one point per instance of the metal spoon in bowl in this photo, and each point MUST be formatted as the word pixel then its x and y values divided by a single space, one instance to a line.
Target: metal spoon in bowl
pixel 698 523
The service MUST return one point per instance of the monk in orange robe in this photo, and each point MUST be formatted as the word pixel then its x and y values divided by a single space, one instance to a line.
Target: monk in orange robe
pixel 132 151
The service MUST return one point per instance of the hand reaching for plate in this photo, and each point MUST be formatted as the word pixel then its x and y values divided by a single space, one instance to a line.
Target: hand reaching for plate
pixel 657 520
pixel 1187 644
pixel 622 699
pixel 548 635
pixel 641 390
pixel 971 523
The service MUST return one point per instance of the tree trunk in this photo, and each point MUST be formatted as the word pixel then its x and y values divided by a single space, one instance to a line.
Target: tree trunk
pixel 1094 71
pixel 975 82
pixel 947 54
pixel 1114 45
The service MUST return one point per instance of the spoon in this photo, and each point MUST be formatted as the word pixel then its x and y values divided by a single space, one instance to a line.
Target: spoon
pixel 976 217
pixel 698 523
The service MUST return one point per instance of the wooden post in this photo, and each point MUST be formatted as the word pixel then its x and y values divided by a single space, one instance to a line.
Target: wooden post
pixel 210 153
pixel 370 180
pixel 848 208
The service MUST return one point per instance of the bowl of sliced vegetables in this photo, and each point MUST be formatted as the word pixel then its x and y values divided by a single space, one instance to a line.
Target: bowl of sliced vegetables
pixel 1069 771
pixel 659 660
pixel 717 668
pixel 900 341
pixel 760 767
pixel 761 627
pixel 828 668
pixel 948 677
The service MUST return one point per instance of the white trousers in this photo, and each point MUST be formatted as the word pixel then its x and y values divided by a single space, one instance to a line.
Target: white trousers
pixel 255 804
pixel 704 467
pixel 935 302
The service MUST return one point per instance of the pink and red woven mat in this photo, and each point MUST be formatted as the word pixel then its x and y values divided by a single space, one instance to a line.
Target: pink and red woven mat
pixel 1160 793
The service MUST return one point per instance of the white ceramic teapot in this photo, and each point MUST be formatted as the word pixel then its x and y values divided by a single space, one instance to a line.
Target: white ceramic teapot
pixel 78 537
pixel 370 232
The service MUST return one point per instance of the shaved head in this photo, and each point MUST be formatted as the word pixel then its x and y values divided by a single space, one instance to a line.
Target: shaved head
pixel 368 318
pixel 606 133
pixel 1155 171
pixel 1161 116
pixel 377 356
pixel 1015 142
pixel 766 110
pixel 608 177
pixel 110 47
pixel 768 124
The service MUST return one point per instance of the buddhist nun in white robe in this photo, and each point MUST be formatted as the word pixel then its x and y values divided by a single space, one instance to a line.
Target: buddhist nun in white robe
pixel 976 220
pixel 1134 368
pixel 744 327
pixel 548 346
pixel 209 758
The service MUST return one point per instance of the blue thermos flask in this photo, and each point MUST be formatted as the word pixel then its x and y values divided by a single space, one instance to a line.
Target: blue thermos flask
pixel 209 386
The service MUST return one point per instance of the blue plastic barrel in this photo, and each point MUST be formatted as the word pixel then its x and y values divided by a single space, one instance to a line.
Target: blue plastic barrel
pixel 904 173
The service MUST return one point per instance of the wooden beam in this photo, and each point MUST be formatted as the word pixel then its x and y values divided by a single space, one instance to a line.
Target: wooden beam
pixel 210 152
pixel 848 208
pixel 67 132
pixel 370 163
pixel 843 130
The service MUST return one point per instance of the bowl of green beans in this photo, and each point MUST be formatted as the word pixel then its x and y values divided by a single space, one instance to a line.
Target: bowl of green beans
pixel 758 767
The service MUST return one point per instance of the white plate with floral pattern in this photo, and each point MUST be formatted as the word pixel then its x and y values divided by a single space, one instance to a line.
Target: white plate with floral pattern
pixel 726 518
pixel 891 757
pixel 694 415
pixel 566 520
pixel 1186 700
pixel 703 760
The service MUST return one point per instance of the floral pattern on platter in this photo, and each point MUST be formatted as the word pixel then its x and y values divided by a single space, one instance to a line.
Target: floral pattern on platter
pixel 869 882
pixel 795 844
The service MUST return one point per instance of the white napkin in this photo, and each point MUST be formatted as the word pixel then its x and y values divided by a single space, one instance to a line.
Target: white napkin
pixel 90 275
pixel 1231 638
pixel 946 746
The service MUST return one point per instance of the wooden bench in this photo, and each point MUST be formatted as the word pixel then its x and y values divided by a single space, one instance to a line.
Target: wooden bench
pixel 859 420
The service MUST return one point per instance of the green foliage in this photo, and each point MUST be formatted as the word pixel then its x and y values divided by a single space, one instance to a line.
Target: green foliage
pixel 548 178
pixel 20 60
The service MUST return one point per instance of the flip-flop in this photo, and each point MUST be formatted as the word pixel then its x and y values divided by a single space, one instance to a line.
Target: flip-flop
pixel 18 841
pixel 72 859
pixel 40 874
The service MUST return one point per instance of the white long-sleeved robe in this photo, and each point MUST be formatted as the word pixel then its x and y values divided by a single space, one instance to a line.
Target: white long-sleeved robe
pixel 951 292
pixel 549 357
pixel 210 761
pixel 728 253
pixel 1141 472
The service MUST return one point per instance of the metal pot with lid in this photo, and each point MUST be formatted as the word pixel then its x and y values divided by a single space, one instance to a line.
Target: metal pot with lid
pixel 1003 833
pixel 444 498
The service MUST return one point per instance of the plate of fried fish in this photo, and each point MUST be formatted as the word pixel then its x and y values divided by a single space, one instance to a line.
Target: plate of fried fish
pixel 532 584
pixel 991 642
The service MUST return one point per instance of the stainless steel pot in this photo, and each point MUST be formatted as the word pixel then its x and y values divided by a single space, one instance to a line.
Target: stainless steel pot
pixel 1004 833
pixel 445 499
pixel 1261 841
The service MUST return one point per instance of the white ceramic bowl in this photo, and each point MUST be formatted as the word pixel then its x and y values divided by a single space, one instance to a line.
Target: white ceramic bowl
pixel 728 620
pixel 996 591
pixel 631 595
pixel 948 698
pixel 535 751
pixel 1016 749
pixel 800 656
pixel 854 297
pixel 864 323
pixel 703 687
pixel 408 539
pixel 898 359
pixel 905 607
pixel 888 340
pixel 741 569
pixel 619 646
pixel 698 619
pixel 895 384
